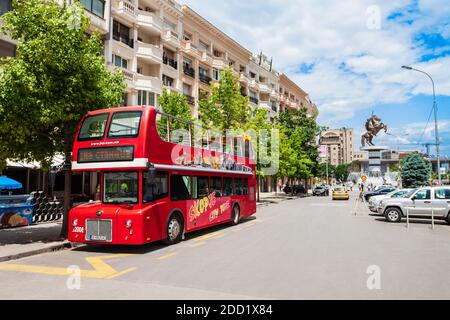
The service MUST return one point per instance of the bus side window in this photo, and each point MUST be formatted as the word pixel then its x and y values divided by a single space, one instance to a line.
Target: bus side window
pixel 228 187
pixel 161 126
pixel 245 186
pixel 237 190
pixel 157 191
pixel 216 186
pixel 247 149
pixel 237 147
pixel 180 188
pixel 200 187
pixel 227 145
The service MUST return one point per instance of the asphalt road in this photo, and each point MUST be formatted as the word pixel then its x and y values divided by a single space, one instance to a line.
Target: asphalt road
pixel 310 248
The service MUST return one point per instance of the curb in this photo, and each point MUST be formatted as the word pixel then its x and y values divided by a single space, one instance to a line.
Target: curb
pixel 58 247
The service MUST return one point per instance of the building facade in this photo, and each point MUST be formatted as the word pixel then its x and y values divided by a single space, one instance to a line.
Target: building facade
pixel 340 144
pixel 7 46
pixel 160 44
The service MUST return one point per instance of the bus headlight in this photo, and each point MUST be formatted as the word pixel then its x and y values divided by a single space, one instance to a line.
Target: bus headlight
pixel 75 223
pixel 128 224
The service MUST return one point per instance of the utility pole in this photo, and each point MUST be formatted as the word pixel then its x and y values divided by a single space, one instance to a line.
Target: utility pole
pixel 436 127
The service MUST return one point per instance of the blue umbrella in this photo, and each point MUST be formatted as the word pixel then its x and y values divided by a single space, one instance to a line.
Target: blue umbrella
pixel 7 183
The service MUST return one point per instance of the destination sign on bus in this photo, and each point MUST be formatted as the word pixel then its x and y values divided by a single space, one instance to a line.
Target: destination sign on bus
pixel 106 154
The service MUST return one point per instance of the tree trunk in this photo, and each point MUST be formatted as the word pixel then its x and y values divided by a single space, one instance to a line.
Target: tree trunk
pixel 67 197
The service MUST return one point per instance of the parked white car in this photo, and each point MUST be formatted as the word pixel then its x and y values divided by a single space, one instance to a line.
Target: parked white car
pixel 421 202
pixel 374 201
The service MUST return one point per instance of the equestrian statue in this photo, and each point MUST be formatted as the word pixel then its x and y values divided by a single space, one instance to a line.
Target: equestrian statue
pixel 373 127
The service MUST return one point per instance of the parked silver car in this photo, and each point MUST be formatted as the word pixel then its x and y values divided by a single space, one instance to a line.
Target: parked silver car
pixel 374 201
pixel 419 202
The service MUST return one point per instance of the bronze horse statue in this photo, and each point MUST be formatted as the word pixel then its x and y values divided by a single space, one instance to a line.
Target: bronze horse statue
pixel 373 127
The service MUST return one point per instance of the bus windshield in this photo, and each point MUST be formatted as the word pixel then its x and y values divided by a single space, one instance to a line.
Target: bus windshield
pixel 120 188
pixel 125 124
pixel 94 127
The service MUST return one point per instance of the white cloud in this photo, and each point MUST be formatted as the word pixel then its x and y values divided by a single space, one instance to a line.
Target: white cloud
pixel 354 67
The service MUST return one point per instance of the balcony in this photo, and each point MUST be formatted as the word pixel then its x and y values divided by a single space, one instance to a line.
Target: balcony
pixel 264 88
pixel 243 77
pixel 171 38
pixel 220 62
pixel 253 84
pixel 265 104
pixel 125 9
pixel 128 75
pixel 97 23
pixel 206 58
pixel 253 100
pixel 170 62
pixel 190 99
pixel 149 20
pixel 189 71
pixel 125 40
pixel 148 83
pixel 149 52
pixel 205 79
pixel 188 48
pixel 274 94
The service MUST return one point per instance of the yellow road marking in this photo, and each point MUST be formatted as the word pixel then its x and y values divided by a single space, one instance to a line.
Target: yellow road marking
pixel 102 270
pixel 221 235
pixel 237 230
pixel 167 256
pixel 207 236
pixel 198 244
pixel 121 273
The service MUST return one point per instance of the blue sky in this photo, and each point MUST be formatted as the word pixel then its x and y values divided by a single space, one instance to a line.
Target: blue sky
pixel 348 55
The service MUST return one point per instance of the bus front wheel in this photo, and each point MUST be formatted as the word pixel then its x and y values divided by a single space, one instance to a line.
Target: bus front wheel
pixel 174 232
pixel 236 215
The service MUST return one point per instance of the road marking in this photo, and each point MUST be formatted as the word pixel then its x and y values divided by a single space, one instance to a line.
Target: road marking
pixel 167 256
pixel 102 270
pixel 198 244
pixel 121 273
pixel 237 229
pixel 207 236
pixel 221 235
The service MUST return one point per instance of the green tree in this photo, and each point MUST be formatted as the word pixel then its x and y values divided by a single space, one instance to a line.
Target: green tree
pixel 341 172
pixel 175 104
pixel 59 74
pixel 258 124
pixel 225 108
pixel 300 153
pixel 416 171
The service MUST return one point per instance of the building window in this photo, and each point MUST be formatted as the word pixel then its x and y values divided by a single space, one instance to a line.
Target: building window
pixel 146 98
pixel 203 46
pixel 120 62
pixel 169 25
pixel 216 74
pixel 124 101
pixel 167 81
pixel 5 6
pixel 97 7
pixel 122 33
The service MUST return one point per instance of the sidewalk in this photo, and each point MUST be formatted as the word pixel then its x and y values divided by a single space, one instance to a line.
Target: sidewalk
pixel 18 243
pixel 267 198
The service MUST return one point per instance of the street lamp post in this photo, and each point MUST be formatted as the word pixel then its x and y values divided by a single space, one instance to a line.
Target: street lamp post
pixel 435 120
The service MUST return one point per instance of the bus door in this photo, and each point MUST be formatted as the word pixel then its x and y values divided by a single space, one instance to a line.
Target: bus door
pixel 155 194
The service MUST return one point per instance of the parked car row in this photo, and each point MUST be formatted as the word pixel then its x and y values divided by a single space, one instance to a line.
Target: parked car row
pixel 421 202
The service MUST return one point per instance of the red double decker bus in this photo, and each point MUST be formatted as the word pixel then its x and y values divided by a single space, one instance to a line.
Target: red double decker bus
pixel 161 177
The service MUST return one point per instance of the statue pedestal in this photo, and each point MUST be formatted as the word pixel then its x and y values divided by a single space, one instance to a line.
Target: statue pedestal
pixel 375 155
